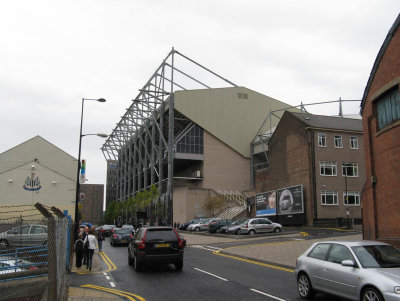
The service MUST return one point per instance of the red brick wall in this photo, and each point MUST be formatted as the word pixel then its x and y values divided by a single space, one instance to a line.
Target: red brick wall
pixel 382 156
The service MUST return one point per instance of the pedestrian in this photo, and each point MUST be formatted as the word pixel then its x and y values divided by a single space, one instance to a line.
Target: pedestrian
pixel 78 247
pixel 100 239
pixel 174 225
pixel 85 233
pixel 90 241
pixel 178 224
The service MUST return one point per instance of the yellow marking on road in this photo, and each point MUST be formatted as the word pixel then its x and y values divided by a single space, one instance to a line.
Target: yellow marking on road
pixel 115 292
pixel 254 262
pixel 111 266
pixel 304 233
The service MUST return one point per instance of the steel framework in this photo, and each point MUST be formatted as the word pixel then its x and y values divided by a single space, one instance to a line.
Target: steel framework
pixel 140 150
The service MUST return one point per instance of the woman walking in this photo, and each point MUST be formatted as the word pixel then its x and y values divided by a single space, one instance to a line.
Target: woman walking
pixel 78 247
pixel 91 241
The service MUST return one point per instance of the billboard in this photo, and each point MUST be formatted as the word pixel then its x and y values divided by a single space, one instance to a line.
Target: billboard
pixel 266 203
pixel 290 200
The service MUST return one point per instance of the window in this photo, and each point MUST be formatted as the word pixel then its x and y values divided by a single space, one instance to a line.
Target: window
pixel 353 198
pixel 353 142
pixel 38 230
pixel 319 251
pixel 328 168
pixel 329 197
pixel 338 141
pixel 388 108
pixel 321 140
pixel 339 253
pixel 350 169
pixel 191 141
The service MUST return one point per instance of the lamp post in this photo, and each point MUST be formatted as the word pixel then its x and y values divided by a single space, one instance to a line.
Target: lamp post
pixel 79 164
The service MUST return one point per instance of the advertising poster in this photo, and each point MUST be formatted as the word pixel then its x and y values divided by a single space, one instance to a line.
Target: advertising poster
pixel 290 200
pixel 266 203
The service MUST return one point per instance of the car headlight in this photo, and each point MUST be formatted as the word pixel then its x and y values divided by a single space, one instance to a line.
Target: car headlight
pixel 397 289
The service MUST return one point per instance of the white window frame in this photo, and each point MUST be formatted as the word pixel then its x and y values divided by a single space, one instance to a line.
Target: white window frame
pixel 324 165
pixel 321 139
pixel 354 194
pixel 325 193
pixel 338 141
pixel 354 142
pixel 353 166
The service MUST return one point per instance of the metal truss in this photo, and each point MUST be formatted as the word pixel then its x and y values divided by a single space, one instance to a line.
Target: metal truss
pixel 139 150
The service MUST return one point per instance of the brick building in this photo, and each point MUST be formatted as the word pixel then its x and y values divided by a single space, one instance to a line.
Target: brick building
pixel 92 208
pixel 380 111
pixel 323 157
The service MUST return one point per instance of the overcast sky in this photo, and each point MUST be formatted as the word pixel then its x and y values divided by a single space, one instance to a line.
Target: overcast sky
pixel 54 53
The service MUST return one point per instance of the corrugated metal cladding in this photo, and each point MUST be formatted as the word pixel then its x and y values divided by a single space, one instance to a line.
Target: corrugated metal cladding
pixel 233 115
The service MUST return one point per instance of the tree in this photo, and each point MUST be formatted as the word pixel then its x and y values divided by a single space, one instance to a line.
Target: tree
pixel 213 203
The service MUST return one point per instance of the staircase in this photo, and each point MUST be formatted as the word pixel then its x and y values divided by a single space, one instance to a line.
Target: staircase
pixel 239 201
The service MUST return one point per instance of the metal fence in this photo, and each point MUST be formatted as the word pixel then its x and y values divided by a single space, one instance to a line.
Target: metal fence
pixel 33 252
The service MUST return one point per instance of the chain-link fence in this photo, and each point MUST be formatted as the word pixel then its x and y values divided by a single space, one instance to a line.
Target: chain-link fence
pixel 33 252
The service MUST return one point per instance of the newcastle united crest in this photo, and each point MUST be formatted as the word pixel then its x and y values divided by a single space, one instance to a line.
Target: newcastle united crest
pixel 32 183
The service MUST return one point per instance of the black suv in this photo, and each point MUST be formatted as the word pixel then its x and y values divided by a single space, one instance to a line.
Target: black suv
pixel 156 245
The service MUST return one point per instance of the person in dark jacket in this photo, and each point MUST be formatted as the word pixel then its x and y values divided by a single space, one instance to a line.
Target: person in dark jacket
pixel 78 247
pixel 100 239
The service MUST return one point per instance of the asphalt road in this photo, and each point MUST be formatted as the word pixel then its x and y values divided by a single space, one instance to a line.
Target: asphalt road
pixel 205 276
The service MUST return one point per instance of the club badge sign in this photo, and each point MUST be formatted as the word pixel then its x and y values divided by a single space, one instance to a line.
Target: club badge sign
pixel 266 203
pixel 290 200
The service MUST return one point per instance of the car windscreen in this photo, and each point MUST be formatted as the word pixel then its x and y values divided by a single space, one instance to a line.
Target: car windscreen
pixel 123 231
pixel 379 256
pixel 161 234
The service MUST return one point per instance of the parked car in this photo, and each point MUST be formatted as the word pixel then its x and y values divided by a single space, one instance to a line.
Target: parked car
pixel 8 264
pixel 185 225
pixel 121 236
pixel 24 235
pixel 233 227
pixel 156 244
pixel 259 225
pixel 106 230
pixel 357 270
pixel 216 227
pixel 193 226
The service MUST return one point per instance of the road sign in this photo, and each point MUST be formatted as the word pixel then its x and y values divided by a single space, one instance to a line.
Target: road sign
pixel 82 196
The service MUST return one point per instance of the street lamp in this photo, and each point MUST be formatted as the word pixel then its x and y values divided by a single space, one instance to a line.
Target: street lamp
pixel 345 165
pixel 79 164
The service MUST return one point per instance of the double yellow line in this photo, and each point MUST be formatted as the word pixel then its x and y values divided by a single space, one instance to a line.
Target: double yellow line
pixel 111 266
pixel 127 295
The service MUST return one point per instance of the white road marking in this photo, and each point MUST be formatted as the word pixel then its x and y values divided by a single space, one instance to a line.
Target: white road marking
pixel 105 274
pixel 108 277
pixel 268 295
pixel 112 284
pixel 211 274
pixel 208 248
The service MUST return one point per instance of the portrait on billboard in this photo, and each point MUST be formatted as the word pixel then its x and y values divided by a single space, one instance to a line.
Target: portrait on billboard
pixel 290 200
pixel 266 203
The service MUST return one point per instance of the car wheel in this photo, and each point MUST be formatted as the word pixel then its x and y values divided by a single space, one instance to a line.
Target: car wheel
pixel 304 286
pixel 371 294
pixel 136 264
pixel 197 229
pixel 130 260
pixel 217 230
pixel 4 244
pixel 252 232
pixel 237 232
pixel 277 230
pixel 179 265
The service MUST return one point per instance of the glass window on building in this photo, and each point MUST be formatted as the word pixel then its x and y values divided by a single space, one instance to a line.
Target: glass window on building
pixel 353 198
pixel 354 142
pixel 322 139
pixel 338 141
pixel 329 197
pixel 328 168
pixel 350 169
pixel 192 142
pixel 388 108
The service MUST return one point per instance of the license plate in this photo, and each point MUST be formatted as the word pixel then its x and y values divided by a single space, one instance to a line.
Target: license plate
pixel 123 240
pixel 162 245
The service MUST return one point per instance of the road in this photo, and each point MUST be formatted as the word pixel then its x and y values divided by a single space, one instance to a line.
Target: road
pixel 205 276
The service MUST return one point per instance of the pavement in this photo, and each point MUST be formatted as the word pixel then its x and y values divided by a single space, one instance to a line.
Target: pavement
pixel 271 253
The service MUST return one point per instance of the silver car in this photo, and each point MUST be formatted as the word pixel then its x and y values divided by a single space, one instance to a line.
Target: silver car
pixel 24 235
pixel 360 270
pixel 259 225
